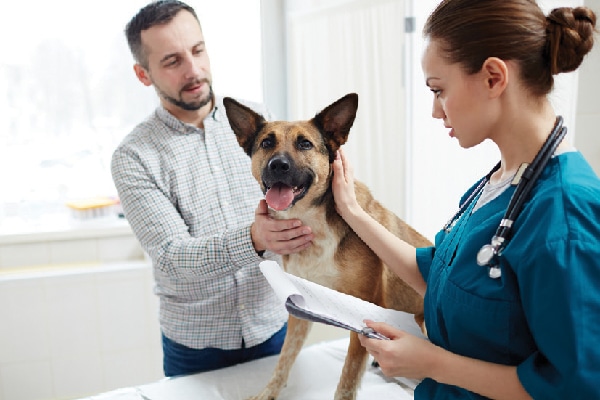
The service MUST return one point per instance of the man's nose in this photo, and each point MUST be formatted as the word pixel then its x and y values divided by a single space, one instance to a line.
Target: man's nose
pixel 191 67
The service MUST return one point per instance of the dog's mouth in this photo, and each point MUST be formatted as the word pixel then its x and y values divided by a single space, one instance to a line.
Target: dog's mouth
pixel 280 196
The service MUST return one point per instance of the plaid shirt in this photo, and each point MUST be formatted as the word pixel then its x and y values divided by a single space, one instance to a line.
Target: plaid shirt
pixel 190 198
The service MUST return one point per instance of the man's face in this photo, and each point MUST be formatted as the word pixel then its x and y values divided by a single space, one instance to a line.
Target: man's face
pixel 178 64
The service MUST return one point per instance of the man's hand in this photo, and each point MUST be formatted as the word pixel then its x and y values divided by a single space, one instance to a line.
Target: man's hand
pixel 281 236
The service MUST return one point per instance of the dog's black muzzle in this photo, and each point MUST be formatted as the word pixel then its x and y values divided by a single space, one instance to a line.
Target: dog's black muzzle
pixel 278 167
pixel 282 169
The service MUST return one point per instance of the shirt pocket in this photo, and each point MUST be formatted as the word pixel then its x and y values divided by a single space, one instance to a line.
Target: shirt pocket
pixel 476 326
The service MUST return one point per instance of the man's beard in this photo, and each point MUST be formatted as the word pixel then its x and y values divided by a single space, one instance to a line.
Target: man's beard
pixel 188 106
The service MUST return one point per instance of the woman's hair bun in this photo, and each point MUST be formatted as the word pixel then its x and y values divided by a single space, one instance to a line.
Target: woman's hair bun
pixel 570 36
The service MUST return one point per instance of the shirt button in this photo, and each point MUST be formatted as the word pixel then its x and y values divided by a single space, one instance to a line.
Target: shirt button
pixel 242 307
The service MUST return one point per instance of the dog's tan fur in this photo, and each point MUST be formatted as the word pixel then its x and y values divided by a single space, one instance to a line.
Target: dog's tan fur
pixel 337 258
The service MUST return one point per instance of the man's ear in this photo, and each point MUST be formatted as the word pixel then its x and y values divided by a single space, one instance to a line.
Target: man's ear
pixel 496 74
pixel 142 75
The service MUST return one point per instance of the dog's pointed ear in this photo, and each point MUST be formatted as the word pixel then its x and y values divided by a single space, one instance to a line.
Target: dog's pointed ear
pixel 245 122
pixel 335 122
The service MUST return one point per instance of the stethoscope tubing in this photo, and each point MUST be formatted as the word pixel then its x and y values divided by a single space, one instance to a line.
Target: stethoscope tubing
pixel 489 253
pixel 529 178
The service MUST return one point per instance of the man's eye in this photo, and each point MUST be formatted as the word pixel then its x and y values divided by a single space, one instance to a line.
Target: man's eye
pixel 436 92
pixel 304 145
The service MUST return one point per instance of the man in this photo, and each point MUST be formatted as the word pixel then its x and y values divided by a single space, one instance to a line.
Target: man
pixel 186 188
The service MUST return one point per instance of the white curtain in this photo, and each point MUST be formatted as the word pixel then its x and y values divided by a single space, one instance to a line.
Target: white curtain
pixel 355 46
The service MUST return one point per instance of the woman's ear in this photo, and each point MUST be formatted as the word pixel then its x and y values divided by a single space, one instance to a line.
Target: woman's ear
pixel 142 75
pixel 496 74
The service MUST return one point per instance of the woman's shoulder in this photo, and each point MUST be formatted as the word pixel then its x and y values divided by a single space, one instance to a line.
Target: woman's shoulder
pixel 572 177
pixel 568 195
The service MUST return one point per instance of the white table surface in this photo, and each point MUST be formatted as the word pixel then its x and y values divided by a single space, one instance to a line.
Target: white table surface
pixel 314 376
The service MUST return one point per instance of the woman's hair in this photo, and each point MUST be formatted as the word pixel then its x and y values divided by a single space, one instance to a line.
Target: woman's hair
pixel 156 13
pixel 470 31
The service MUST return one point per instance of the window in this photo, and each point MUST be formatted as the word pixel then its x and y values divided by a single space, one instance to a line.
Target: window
pixel 69 95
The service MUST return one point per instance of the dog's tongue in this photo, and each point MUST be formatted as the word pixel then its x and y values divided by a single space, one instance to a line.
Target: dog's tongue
pixel 279 197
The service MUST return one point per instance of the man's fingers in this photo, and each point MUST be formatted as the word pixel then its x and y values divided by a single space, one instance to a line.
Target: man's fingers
pixel 291 242
pixel 262 208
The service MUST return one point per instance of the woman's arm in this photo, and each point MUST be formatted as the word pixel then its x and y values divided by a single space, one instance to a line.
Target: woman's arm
pixel 395 253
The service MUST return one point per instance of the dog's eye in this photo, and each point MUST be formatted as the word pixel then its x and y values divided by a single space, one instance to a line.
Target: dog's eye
pixel 267 143
pixel 304 145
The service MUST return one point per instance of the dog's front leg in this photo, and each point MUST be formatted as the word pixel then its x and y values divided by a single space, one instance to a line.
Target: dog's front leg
pixel 354 368
pixel 297 331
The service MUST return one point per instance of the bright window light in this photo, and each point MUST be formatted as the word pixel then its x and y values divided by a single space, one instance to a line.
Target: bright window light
pixel 69 95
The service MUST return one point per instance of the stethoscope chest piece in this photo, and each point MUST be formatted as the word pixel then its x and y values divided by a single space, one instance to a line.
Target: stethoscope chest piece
pixel 486 254
pixel 495 272
pixel 487 257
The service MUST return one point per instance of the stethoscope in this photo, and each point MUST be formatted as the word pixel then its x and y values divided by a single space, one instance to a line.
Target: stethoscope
pixel 488 255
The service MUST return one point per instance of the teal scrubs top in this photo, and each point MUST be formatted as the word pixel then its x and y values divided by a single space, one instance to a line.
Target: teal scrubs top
pixel 543 314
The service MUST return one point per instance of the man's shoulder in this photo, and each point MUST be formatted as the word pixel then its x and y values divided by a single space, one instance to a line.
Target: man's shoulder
pixel 143 130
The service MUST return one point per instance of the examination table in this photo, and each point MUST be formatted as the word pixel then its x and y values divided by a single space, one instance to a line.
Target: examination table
pixel 314 376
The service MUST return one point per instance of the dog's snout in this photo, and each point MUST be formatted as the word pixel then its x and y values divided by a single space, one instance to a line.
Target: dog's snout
pixel 279 165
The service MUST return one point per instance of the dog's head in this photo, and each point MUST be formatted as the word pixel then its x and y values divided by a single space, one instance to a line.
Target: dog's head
pixel 292 160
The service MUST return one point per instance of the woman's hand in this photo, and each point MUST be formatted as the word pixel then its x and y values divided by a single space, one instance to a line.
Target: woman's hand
pixel 343 186
pixel 404 355
pixel 412 357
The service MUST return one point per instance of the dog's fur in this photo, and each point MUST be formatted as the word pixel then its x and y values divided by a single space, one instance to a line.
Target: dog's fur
pixel 299 155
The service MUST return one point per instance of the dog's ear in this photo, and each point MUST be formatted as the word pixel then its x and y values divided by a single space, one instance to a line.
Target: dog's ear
pixel 335 122
pixel 245 122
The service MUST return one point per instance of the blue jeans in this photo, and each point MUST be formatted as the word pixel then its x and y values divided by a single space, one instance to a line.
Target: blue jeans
pixel 181 360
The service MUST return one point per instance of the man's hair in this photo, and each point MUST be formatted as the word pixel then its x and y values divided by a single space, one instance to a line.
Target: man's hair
pixel 156 13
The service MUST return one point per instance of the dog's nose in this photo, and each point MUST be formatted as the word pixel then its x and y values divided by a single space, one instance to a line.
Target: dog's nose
pixel 279 165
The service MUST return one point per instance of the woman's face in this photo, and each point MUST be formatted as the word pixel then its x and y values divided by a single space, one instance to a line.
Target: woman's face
pixel 459 99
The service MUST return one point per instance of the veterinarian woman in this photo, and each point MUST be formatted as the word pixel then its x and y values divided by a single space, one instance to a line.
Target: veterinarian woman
pixel 524 323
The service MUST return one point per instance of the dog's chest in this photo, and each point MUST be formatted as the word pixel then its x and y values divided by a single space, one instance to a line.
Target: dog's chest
pixel 316 263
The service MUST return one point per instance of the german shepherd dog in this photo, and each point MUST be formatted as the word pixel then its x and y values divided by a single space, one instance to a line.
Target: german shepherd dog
pixel 292 163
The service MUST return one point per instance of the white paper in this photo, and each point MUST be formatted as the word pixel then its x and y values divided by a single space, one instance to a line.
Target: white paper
pixel 332 304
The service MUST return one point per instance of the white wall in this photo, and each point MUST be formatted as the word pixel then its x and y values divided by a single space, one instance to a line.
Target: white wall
pixel 587 139
pixel 70 332
pixel 232 30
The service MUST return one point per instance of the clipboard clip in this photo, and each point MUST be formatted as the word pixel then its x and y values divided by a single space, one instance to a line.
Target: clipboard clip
pixel 372 334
